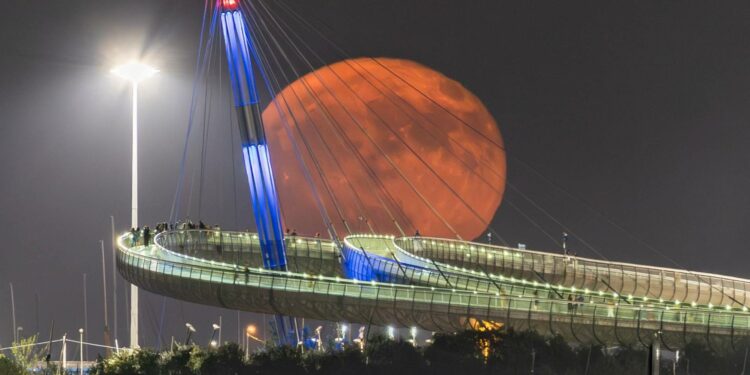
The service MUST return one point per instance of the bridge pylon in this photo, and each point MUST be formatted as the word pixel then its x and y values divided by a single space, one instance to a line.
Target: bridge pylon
pixel 244 68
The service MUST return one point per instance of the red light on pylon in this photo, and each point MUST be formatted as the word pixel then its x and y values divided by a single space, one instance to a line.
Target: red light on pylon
pixel 230 4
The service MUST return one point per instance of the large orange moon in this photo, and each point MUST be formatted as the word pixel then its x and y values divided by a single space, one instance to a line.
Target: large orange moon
pixel 391 146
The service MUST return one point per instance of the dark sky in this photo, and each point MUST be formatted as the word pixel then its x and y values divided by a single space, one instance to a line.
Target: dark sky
pixel 641 111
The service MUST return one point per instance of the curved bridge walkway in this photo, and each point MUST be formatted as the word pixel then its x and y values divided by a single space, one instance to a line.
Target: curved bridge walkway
pixel 445 285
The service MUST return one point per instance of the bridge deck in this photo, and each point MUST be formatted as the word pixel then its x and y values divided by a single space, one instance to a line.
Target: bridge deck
pixel 438 285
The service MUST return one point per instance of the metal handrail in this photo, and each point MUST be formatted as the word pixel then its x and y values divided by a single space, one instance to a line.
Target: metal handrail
pixel 216 272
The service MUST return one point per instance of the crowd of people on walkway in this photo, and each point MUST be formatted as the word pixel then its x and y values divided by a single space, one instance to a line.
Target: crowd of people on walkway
pixel 145 235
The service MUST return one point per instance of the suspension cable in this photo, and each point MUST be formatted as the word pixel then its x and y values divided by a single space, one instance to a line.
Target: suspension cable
pixel 308 177
pixel 335 124
pixel 372 141
pixel 199 73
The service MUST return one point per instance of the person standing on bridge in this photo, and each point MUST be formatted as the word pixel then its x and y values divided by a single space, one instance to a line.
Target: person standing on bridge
pixel 417 242
pixel 202 232
pixel 146 235
pixel 133 236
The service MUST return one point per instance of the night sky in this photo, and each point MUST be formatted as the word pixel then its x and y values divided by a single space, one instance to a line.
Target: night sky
pixel 627 122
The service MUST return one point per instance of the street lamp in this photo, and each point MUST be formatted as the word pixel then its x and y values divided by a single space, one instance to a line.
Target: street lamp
pixel 190 331
pixel 250 333
pixel 134 72
pixel 212 342
pixel 344 328
pixel 319 339
pixel 18 333
pixel 391 333
pixel 80 362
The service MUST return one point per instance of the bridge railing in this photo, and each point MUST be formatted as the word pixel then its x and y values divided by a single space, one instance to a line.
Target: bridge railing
pixel 515 286
pixel 155 273
pixel 243 248
pixel 622 278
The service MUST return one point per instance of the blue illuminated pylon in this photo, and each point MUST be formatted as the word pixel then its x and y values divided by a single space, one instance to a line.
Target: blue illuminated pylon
pixel 239 48
pixel 240 53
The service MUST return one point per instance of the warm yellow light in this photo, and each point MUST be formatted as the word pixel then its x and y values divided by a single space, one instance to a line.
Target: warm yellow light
pixel 250 330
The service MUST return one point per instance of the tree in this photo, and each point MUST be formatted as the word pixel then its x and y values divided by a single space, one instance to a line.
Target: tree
pixel 512 352
pixel 389 357
pixel 26 353
pixel 225 360
pixel 277 360
pixel 129 362
pixel 349 361
pixel 456 353
pixel 10 367
pixel 178 360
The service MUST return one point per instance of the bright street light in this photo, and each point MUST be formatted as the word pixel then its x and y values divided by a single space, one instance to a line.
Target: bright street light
pixel 190 330
pixel 216 328
pixel 344 329
pixel 250 330
pixel 134 72
pixel 319 341
pixel 80 362
pixel 391 333
pixel 250 334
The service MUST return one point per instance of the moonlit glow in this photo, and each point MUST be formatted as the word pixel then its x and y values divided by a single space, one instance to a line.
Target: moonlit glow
pixel 134 71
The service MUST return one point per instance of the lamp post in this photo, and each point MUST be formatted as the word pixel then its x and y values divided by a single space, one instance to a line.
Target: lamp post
pixel 80 358
pixel 190 330
pixel 18 333
pixel 213 342
pixel 319 343
pixel 391 333
pixel 134 72
pixel 249 333
pixel 344 328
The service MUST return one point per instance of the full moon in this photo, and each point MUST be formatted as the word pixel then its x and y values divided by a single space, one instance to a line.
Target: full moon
pixel 387 145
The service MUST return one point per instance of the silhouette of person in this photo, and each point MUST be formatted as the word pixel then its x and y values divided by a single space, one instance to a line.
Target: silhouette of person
pixel 146 235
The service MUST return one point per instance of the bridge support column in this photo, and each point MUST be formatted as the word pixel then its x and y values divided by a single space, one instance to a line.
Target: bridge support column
pixel 654 355
pixel 244 68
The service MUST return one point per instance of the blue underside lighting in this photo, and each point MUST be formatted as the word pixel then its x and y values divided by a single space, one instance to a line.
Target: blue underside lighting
pixel 372 267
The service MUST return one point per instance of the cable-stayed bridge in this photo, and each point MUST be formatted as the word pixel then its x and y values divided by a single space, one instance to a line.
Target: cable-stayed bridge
pixel 445 285
pixel 437 284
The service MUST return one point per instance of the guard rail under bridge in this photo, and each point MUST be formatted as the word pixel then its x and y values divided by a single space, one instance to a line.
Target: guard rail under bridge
pixel 442 285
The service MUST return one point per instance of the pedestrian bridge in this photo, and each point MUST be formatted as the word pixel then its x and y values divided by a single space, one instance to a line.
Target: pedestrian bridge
pixel 445 285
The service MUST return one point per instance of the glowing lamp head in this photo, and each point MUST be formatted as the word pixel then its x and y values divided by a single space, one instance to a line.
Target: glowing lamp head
pixel 229 5
pixel 134 71
pixel 250 330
